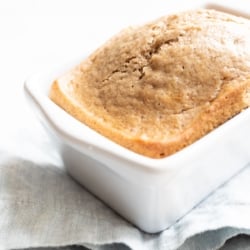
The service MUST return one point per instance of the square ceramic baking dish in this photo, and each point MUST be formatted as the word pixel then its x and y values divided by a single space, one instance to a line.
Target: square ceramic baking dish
pixel 150 193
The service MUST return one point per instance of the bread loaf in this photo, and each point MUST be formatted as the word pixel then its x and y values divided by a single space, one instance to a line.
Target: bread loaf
pixel 157 88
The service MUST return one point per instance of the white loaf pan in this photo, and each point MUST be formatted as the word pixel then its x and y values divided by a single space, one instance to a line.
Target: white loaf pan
pixel 150 193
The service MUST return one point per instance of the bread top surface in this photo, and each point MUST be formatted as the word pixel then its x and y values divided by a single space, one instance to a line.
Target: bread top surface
pixel 151 84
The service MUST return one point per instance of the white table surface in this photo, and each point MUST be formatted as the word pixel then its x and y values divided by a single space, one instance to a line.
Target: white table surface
pixel 37 34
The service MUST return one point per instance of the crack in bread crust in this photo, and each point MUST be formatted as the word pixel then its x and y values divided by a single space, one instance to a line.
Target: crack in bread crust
pixel 157 88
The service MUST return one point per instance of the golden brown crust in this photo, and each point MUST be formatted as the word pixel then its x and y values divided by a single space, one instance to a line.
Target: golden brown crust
pixel 158 88
pixel 214 115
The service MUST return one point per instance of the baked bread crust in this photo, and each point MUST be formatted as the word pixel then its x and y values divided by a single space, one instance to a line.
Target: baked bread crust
pixel 159 87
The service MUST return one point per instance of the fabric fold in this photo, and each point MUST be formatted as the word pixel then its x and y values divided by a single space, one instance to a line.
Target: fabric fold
pixel 42 206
